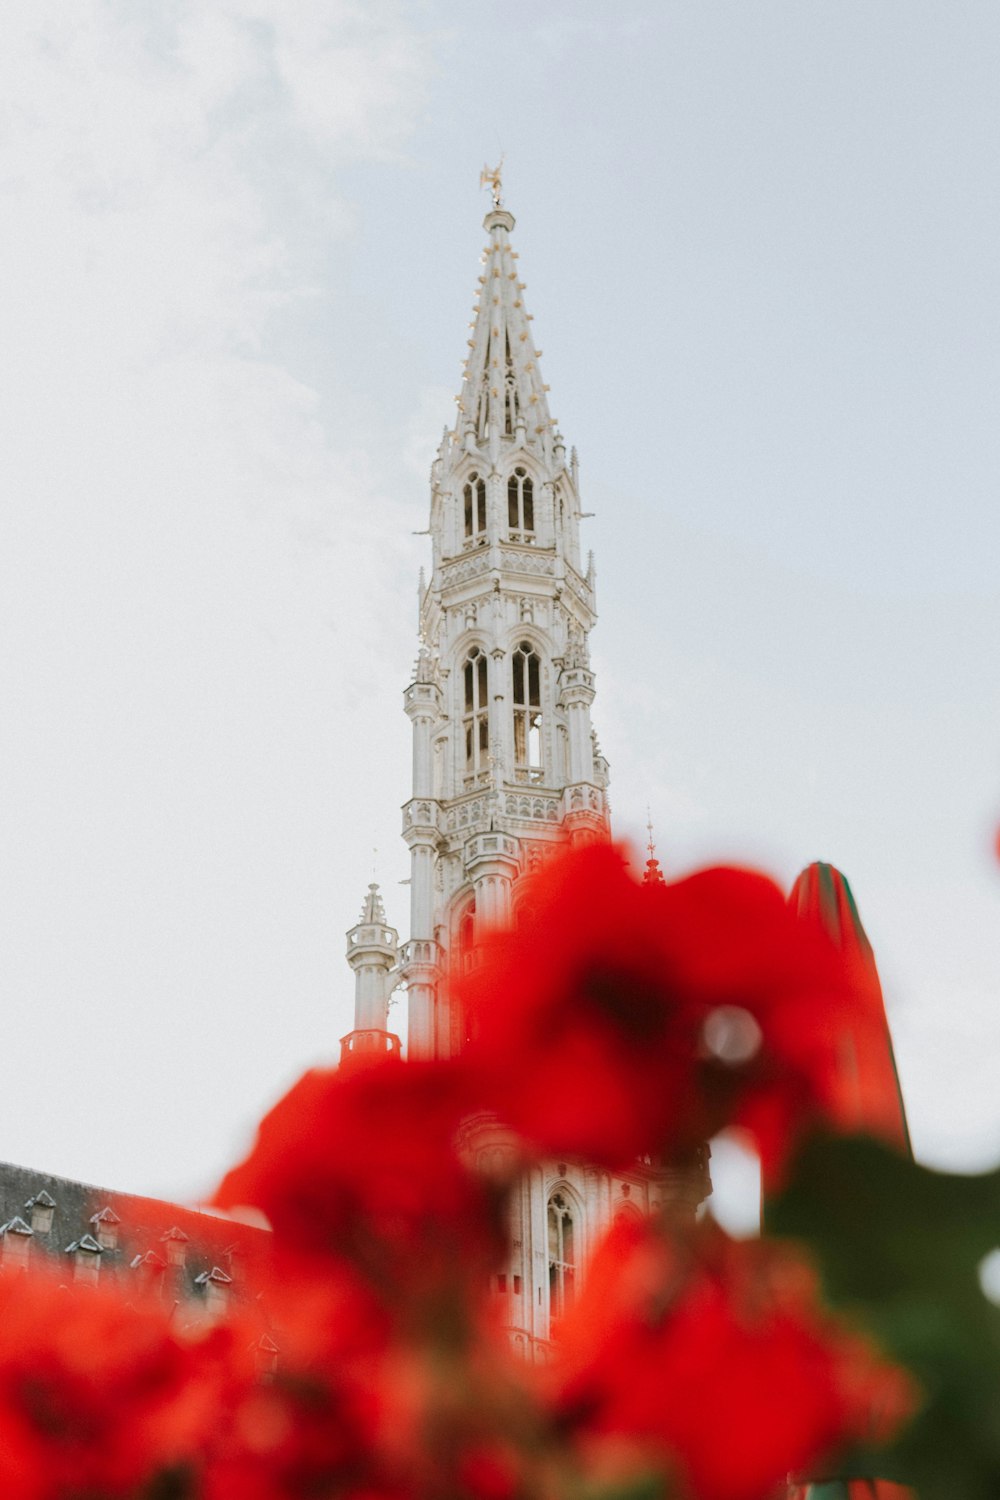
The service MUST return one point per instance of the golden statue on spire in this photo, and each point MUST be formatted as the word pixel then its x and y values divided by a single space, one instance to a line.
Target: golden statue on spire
pixel 491 177
pixel 652 875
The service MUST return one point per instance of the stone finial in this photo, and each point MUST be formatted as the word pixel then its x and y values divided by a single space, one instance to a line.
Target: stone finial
pixel 372 908
pixel 424 672
pixel 576 654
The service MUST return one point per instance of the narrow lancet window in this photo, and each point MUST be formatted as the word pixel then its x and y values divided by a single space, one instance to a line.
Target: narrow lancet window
pixel 476 715
pixel 562 1258
pixel 474 496
pixel 526 674
pixel 466 931
pixel 521 506
pixel 510 392
pixel 464 959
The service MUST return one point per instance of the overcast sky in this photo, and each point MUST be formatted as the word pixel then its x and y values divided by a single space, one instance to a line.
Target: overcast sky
pixel 238 248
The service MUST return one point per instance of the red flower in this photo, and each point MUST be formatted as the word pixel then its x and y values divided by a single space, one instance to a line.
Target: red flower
pixel 358 1407
pixel 577 1047
pixel 712 1359
pixel 98 1397
pixel 311 1428
pixel 629 1018
pixel 365 1169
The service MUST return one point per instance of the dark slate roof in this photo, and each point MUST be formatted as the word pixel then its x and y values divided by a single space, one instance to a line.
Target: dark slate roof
pixel 140 1226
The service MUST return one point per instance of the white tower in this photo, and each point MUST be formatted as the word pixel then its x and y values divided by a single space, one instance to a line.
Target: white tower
pixel 505 761
pixel 504 757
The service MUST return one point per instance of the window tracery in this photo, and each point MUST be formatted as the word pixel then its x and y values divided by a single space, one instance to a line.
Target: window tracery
pixel 526 683
pixel 476 714
pixel 510 402
pixel 465 934
pixel 521 506
pixel 474 508
pixel 562 1257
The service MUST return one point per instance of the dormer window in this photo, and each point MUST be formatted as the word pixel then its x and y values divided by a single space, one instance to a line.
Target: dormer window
pixel 215 1284
pixel 86 1253
pixel 106 1228
pixel 526 673
pixel 266 1357
pixel 16 1238
pixel 474 497
pixel 41 1208
pixel 175 1243
pixel 476 717
pixel 521 506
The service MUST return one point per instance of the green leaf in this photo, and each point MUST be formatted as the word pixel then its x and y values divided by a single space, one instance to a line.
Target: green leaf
pixel 899 1248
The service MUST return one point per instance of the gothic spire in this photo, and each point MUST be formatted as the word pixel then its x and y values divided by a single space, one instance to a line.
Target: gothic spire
pixel 502 393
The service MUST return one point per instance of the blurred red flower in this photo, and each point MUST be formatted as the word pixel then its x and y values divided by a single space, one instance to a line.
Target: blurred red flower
pixel 312 1428
pixel 715 1358
pixel 99 1396
pixel 358 1407
pixel 626 1018
pixel 364 1168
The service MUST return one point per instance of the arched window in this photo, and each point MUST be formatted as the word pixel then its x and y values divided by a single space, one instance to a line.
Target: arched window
pixel 510 412
pixel 465 935
pixel 476 718
pixel 562 1258
pixel 474 495
pixel 521 506
pixel 463 960
pixel 526 671
pixel 467 929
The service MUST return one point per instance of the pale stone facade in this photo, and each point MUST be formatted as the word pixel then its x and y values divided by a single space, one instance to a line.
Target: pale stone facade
pixel 505 760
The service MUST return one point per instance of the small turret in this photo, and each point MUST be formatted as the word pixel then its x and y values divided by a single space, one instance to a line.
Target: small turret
pixel 372 952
